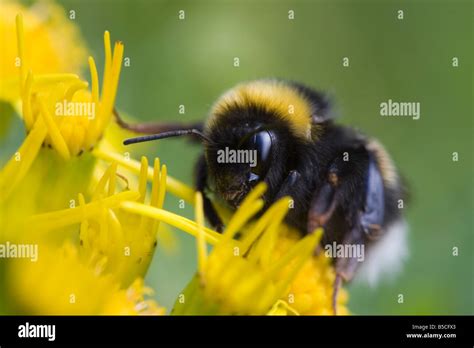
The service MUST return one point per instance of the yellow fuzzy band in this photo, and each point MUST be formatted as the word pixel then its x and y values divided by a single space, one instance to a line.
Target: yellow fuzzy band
pixel 276 97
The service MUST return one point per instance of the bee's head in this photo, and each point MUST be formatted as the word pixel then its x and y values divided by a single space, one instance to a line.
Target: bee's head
pixel 243 154
pixel 241 160
pixel 269 117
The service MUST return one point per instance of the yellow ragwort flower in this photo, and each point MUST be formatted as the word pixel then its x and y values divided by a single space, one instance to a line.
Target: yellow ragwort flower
pixel 56 112
pixel 269 270
pixel 55 44
pixel 100 270
pixel 45 179
pixel 59 283
pixel 310 292
pixel 122 243
pixel 60 110
pixel 38 181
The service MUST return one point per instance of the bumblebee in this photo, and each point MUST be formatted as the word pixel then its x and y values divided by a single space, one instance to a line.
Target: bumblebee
pixel 338 178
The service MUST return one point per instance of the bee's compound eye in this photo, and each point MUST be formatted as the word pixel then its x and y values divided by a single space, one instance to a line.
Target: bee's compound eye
pixel 261 143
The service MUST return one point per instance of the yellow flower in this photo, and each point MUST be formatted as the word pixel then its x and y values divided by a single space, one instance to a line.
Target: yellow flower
pixel 37 181
pixel 176 187
pixel 101 269
pixel 54 43
pixel 34 172
pixel 40 179
pixel 59 283
pixel 123 243
pixel 269 270
pixel 60 109
pixel 310 292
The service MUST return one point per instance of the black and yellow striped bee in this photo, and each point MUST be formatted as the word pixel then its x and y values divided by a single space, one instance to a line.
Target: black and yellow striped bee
pixel 338 178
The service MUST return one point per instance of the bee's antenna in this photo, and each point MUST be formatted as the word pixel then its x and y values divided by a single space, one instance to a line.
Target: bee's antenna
pixel 174 133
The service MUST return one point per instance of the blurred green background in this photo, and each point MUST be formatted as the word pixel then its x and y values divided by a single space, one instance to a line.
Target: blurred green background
pixel 190 62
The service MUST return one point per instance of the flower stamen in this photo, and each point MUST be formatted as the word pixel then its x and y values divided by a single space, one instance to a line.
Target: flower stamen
pixel 173 185
pixel 169 218
pixel 17 167
pixel 53 131
pixel 201 241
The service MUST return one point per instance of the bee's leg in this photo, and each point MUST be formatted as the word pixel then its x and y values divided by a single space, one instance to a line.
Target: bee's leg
pixel 336 286
pixel 288 186
pixel 153 127
pixel 201 186
pixel 293 186
pixel 322 207
pixel 346 267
